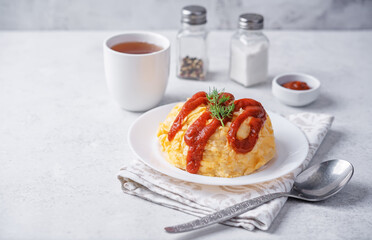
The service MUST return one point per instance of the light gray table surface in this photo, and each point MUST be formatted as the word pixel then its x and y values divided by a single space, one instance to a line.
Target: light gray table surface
pixel 63 139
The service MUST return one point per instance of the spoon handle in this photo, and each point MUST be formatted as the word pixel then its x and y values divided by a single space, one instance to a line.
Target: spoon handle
pixel 224 214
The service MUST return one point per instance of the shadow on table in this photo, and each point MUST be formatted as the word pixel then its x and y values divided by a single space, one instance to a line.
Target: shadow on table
pixel 353 193
pixel 330 141
pixel 172 98
pixel 217 76
pixel 222 76
pixel 324 102
pixel 202 233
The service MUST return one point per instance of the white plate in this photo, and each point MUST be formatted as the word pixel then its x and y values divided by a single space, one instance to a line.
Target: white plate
pixel 291 150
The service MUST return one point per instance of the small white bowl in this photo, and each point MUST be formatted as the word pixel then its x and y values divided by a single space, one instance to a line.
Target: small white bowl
pixel 296 98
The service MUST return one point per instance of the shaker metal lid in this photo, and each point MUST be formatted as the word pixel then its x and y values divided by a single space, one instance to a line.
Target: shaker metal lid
pixel 194 15
pixel 251 21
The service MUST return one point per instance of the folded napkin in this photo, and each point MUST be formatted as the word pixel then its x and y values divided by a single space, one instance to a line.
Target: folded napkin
pixel 199 200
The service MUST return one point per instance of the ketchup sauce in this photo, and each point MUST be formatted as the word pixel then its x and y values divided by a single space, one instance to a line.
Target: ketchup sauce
pixel 296 85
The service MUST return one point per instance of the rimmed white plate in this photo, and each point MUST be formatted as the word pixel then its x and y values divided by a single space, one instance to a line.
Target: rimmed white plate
pixel 291 150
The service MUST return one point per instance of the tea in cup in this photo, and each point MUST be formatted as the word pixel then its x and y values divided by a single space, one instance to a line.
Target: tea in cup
pixel 137 69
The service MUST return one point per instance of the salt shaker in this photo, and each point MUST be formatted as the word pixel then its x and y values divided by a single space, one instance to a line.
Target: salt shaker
pixel 249 50
pixel 192 59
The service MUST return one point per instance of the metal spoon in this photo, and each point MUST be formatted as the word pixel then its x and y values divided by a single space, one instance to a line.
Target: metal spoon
pixel 316 183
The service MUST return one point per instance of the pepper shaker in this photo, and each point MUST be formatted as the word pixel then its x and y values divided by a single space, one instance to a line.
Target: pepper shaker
pixel 192 59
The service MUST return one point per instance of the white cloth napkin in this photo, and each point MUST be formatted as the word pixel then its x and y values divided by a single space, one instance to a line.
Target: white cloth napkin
pixel 199 200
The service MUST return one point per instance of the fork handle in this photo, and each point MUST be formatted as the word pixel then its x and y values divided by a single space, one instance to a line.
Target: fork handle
pixel 224 214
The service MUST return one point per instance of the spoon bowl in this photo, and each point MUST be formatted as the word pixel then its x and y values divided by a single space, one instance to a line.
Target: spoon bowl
pixel 321 181
pixel 316 183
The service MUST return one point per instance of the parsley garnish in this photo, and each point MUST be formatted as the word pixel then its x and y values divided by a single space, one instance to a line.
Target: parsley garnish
pixel 217 105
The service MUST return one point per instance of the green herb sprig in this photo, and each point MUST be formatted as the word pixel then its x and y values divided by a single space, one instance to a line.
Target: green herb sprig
pixel 217 106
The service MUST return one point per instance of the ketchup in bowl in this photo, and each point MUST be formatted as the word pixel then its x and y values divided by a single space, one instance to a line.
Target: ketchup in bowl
pixel 296 85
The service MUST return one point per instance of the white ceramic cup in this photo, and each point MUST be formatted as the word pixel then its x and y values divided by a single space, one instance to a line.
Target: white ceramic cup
pixel 137 82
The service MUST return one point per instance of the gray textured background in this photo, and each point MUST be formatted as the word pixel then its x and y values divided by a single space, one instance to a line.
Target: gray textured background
pixel 165 14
